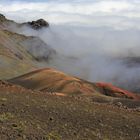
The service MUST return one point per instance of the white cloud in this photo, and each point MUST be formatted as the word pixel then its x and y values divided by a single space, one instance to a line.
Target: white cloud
pixel 118 14
pixel 69 7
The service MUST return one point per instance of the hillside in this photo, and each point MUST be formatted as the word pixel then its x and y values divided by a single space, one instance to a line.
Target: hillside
pixel 51 80
pixel 18 52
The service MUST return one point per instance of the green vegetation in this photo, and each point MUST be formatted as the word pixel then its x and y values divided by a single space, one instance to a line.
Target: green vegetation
pixel 53 136
pixel 19 126
pixel 6 116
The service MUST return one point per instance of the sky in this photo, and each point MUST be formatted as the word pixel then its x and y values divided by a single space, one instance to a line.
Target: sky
pixel 121 14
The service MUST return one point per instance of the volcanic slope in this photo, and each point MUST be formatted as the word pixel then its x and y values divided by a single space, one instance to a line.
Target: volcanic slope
pixel 18 52
pixel 51 80
pixel 30 115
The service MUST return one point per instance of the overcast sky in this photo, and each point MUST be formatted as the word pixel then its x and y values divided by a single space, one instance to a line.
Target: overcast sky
pixel 119 14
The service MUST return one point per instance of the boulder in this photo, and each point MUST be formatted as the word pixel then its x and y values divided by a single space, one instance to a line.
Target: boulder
pixel 2 18
pixel 38 24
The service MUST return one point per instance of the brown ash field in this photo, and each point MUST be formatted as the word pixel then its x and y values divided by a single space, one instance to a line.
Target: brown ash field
pixel 30 115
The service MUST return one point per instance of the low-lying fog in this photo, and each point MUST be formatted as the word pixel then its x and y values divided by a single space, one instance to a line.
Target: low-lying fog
pixel 95 40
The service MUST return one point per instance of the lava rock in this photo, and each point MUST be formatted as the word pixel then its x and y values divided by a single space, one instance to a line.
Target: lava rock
pixel 2 18
pixel 38 24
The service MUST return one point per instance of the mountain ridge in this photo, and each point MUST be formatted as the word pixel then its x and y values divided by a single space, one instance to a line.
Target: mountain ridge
pixel 20 51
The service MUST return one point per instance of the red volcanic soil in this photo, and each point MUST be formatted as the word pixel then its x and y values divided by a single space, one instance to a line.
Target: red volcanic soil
pixel 117 92
pixel 51 80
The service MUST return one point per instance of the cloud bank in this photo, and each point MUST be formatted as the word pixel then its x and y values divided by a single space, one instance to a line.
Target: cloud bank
pixel 94 39
pixel 118 14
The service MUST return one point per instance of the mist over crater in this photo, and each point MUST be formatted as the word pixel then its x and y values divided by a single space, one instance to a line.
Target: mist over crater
pixel 98 41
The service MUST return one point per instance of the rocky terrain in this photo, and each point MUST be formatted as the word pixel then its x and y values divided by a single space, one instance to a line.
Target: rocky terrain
pixel 33 115
pixel 38 24
pixel 46 104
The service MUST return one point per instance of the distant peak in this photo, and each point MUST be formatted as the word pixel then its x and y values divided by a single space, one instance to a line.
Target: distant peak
pixel 2 18
pixel 38 24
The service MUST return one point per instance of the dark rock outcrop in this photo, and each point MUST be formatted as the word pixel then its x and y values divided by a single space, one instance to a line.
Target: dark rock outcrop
pixel 38 24
pixel 2 18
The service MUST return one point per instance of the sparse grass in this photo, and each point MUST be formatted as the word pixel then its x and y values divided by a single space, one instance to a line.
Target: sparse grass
pixel 19 126
pixel 6 116
pixel 53 136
